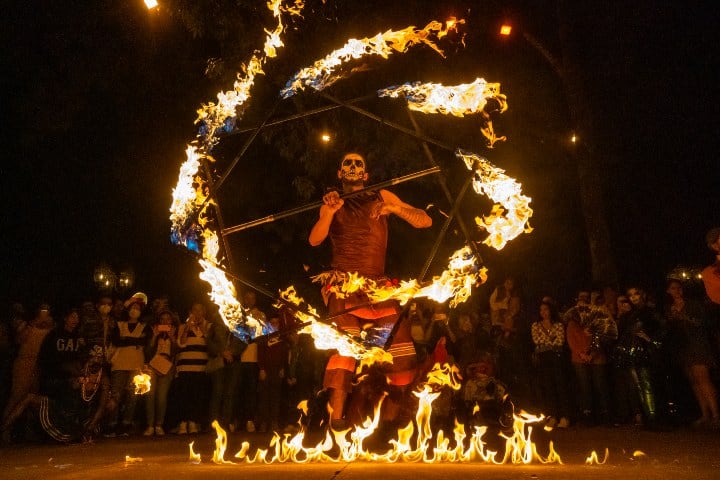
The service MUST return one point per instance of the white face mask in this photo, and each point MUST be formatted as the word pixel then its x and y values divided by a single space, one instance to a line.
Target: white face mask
pixel 134 313
pixel 352 169
pixel 104 309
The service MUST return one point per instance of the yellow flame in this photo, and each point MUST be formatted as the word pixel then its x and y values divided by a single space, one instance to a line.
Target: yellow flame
pixel 321 73
pixel 194 457
pixel 414 442
pixel 454 284
pixel 186 197
pixel 189 195
pixel 213 115
pixel 511 213
pixel 220 444
pixel 593 458
pixel 129 459
pixel 638 453
pixel 457 100
pixel 142 383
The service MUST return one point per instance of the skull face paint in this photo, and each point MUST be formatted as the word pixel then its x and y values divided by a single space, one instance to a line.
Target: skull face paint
pixel 352 168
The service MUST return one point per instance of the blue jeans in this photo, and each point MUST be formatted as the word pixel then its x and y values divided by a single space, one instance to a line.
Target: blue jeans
pixel 156 398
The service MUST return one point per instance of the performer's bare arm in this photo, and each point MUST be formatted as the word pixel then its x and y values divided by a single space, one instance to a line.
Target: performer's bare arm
pixel 320 230
pixel 392 204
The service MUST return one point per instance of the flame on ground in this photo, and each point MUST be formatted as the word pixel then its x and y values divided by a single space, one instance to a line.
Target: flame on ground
pixel 413 443
pixel 142 383
pixel 194 457
pixel 593 459
pixel 322 73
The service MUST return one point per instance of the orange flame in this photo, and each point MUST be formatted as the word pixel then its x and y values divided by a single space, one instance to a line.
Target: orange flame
pixel 348 445
pixel 321 73
pixel 593 459
pixel 142 383
pixel 213 115
pixel 326 337
pixel 509 217
pixel 189 194
pixel 455 283
pixel 457 100
pixel 194 457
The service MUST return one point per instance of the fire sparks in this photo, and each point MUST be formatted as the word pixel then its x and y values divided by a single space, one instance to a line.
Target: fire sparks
pixel 142 383
pixel 511 213
pixel 322 73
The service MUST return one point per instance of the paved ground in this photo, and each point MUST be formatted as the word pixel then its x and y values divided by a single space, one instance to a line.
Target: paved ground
pixel 667 455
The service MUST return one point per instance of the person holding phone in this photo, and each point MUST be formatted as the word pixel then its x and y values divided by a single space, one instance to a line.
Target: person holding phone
pixel 160 355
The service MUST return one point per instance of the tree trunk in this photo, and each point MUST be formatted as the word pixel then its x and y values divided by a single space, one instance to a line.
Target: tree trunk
pixel 589 166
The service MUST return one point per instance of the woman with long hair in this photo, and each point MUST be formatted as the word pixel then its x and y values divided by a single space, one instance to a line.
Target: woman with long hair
pixel 548 335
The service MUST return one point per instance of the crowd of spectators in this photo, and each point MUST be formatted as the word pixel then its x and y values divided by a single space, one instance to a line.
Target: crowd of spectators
pixel 609 357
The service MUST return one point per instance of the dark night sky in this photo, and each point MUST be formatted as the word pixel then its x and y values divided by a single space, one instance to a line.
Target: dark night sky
pixel 99 103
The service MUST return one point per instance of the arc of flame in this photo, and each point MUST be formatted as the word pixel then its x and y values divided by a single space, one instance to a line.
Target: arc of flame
pixel 214 115
pixel 511 213
pixel 457 100
pixel 454 284
pixel 190 195
pixel 322 73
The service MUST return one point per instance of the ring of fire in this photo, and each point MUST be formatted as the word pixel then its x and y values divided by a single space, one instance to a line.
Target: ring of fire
pixel 508 219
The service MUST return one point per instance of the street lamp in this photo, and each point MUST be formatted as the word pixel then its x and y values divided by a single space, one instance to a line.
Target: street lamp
pixel 107 280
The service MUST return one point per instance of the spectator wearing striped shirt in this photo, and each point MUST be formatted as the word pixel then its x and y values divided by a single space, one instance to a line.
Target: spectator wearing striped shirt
pixel 548 335
pixel 191 361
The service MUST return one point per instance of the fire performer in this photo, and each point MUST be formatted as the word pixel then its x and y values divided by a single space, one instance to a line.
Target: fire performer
pixel 358 231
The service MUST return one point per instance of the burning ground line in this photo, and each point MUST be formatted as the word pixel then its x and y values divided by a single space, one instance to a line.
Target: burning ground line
pixel 412 444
